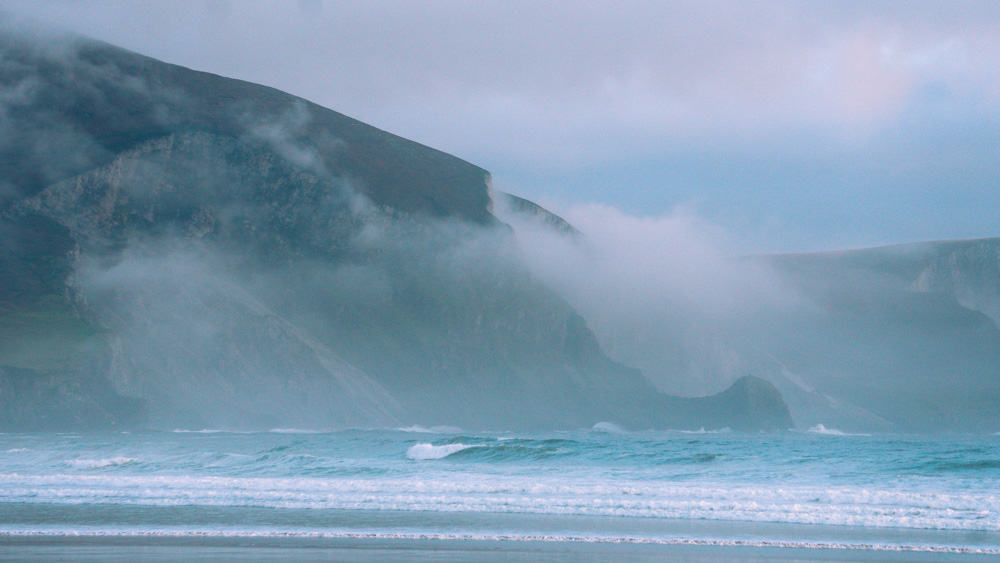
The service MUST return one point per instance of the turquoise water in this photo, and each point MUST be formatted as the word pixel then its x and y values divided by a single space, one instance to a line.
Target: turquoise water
pixel 820 487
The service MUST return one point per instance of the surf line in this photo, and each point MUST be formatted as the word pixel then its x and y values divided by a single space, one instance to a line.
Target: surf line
pixel 236 534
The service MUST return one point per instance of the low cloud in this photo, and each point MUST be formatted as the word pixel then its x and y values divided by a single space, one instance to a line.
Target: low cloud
pixel 662 293
pixel 559 99
pixel 581 79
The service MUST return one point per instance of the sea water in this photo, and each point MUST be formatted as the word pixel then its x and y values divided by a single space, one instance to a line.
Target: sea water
pixel 819 488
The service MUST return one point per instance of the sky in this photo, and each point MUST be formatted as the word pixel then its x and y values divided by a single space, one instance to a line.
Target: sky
pixel 784 125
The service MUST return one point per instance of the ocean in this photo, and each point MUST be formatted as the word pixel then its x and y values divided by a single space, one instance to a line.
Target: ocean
pixel 818 489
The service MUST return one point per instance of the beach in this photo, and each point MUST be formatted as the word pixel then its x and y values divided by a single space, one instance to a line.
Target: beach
pixel 193 548
pixel 416 494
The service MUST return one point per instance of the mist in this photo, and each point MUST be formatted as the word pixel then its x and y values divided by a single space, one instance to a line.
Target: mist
pixel 234 319
pixel 407 321
pixel 250 259
pixel 267 262
pixel 862 339
pixel 662 293
pixel 796 126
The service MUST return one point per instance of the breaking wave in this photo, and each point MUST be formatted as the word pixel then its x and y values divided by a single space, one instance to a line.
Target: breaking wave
pixel 430 451
pixel 946 483
pixel 608 427
pixel 416 428
pixel 554 494
pixel 822 430
pixel 100 463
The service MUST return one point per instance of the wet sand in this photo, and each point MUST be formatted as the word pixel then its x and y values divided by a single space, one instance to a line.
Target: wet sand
pixel 193 548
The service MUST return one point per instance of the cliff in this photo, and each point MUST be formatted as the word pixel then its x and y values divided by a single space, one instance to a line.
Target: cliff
pixel 183 249
pixel 903 337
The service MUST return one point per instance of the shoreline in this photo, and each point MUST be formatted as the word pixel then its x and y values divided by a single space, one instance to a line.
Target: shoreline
pixel 30 526
pixel 351 546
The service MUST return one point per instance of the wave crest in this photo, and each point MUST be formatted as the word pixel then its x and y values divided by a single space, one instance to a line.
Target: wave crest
pixel 101 463
pixel 821 429
pixel 424 450
pixel 608 428
pixel 441 429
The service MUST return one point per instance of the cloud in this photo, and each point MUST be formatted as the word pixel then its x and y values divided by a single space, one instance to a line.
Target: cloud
pixel 281 133
pixel 562 99
pixel 569 76
pixel 662 293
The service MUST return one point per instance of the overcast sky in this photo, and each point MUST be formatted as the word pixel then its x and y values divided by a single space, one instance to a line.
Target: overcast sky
pixel 789 125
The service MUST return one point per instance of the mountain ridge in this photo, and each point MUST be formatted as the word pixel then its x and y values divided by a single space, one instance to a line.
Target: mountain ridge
pixel 230 255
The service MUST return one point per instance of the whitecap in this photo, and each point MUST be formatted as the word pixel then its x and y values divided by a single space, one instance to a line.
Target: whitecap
pixel 430 451
pixel 723 430
pixel 442 429
pixel 100 463
pixel 608 428
pixel 824 431
pixel 821 429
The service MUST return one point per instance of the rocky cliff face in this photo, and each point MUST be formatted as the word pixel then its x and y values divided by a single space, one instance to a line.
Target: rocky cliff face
pixel 895 338
pixel 206 252
pixel 921 349
pixel 969 271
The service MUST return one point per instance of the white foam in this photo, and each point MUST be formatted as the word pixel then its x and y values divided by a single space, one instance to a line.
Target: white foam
pixel 724 430
pixel 561 494
pixel 93 532
pixel 442 429
pixel 424 451
pixel 100 463
pixel 824 431
pixel 821 429
pixel 212 431
pixel 608 428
